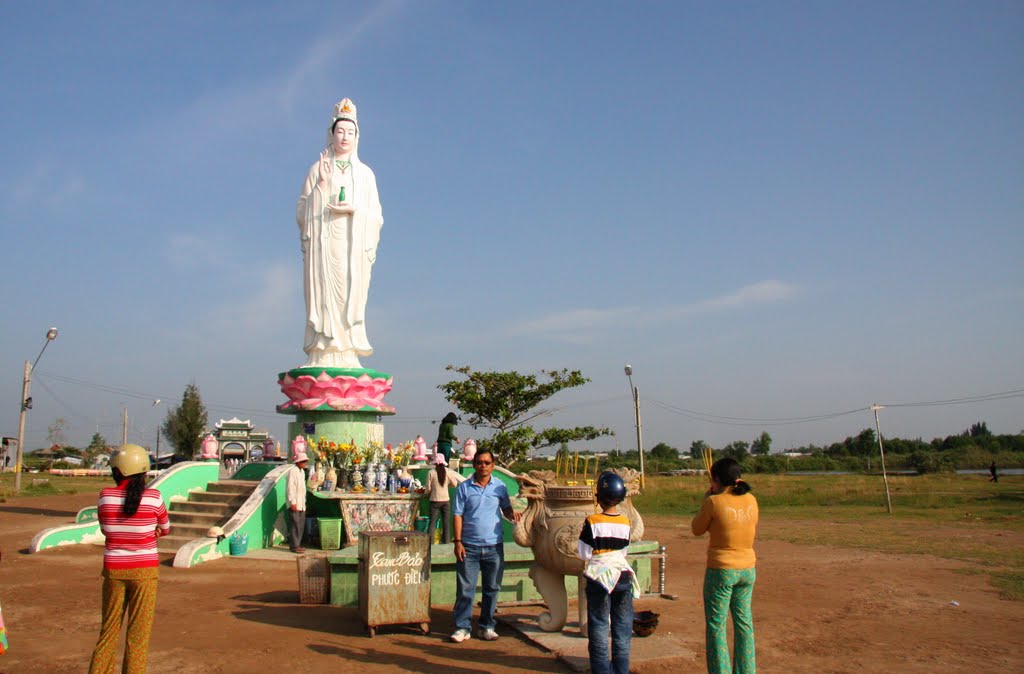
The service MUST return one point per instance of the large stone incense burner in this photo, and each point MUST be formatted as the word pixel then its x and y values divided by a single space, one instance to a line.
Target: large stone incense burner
pixel 551 526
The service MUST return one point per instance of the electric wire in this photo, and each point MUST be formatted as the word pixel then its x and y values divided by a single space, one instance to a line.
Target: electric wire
pixel 706 417
pixel 1004 395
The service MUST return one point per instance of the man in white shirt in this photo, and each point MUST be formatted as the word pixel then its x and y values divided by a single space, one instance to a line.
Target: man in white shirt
pixel 296 494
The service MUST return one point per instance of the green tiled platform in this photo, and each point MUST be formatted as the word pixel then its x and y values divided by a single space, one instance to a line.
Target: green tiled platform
pixel 516 586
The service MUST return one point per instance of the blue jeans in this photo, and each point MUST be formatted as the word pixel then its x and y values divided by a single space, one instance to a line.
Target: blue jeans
pixel 488 560
pixel 616 608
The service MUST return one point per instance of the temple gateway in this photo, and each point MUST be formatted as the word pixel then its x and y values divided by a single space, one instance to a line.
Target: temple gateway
pixel 237 439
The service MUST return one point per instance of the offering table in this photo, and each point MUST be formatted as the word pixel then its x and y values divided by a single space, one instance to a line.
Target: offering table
pixel 366 511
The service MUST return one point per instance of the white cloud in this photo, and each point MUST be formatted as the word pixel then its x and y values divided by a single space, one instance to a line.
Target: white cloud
pixel 187 251
pixel 273 293
pixel 579 325
pixel 761 292
pixel 253 302
pixel 323 53
pixel 47 185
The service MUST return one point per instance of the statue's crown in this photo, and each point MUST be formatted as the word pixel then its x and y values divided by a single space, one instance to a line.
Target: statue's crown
pixel 345 108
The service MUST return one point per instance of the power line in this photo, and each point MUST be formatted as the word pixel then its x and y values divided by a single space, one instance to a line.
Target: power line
pixel 749 421
pixel 788 421
pixel 707 417
pixel 1005 395
pixel 105 388
pixel 71 411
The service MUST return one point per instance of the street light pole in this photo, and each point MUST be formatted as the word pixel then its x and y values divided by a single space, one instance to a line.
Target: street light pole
pixel 26 404
pixel 639 428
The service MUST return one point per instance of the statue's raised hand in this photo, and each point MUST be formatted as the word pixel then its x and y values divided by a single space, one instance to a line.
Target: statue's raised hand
pixel 326 169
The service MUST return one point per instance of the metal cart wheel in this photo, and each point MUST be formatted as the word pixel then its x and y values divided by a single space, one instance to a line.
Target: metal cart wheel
pixel 425 628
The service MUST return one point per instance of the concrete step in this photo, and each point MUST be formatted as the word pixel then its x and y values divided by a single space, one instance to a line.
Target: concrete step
pixel 206 519
pixel 172 543
pixel 217 497
pixel 192 519
pixel 218 507
pixel 233 487
pixel 189 531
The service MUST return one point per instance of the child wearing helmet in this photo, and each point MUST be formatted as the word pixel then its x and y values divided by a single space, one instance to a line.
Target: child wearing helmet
pixel 131 518
pixel 730 514
pixel 611 584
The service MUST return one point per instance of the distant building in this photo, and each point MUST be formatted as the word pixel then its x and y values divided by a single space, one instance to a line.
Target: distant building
pixel 237 439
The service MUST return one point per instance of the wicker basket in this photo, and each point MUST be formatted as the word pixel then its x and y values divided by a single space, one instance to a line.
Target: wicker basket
pixel 314 579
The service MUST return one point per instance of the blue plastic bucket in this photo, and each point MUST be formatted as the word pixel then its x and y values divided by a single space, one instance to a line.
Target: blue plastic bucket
pixel 239 545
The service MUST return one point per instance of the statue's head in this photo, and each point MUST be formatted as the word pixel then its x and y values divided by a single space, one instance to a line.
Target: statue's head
pixel 343 133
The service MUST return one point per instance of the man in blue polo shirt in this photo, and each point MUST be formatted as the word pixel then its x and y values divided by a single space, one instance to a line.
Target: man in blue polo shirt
pixel 477 510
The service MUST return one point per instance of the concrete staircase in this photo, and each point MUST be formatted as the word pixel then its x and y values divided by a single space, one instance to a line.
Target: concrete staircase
pixel 204 509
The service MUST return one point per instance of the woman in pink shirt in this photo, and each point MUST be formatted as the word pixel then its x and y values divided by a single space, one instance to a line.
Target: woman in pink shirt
pixel 131 518
pixel 438 482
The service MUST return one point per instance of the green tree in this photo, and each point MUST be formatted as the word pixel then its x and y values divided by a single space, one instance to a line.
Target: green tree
pixel 663 451
pixel 736 450
pixel 507 402
pixel 865 444
pixel 185 423
pixel 97 446
pixel 979 429
pixel 697 448
pixel 762 445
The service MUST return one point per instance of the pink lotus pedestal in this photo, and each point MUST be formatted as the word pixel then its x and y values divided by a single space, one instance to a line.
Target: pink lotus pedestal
pixel 341 404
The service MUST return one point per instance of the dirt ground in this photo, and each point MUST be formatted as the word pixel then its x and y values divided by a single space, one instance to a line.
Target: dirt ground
pixel 816 609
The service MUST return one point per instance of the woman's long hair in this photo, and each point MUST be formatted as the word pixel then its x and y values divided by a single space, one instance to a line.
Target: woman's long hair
pixel 442 474
pixel 132 492
pixel 727 472
pixel 450 418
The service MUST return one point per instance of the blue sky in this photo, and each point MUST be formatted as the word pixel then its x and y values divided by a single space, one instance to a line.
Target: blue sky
pixel 771 210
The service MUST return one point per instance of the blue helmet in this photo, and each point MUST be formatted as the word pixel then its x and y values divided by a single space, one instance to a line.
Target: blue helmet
pixel 611 488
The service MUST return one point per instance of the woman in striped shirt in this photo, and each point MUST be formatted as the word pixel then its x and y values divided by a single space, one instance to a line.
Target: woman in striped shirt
pixel 132 518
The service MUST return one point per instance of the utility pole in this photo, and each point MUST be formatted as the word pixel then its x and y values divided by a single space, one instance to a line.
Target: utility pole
pixel 639 432
pixel 26 404
pixel 639 436
pixel 881 450
pixel 124 428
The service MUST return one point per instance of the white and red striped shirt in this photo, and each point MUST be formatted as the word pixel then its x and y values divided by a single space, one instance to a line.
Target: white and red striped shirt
pixel 131 541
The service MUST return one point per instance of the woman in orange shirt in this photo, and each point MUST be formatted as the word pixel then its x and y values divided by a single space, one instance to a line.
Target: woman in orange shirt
pixel 730 514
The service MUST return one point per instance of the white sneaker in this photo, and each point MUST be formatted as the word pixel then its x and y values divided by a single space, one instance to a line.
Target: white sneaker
pixel 487 634
pixel 460 635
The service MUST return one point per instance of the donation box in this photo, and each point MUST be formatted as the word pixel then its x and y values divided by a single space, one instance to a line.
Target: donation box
pixel 394 579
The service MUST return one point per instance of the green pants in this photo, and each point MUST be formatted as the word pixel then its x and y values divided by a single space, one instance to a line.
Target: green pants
pixel 729 591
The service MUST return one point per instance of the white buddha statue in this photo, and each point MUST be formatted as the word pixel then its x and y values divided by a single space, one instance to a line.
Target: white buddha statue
pixel 339 218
